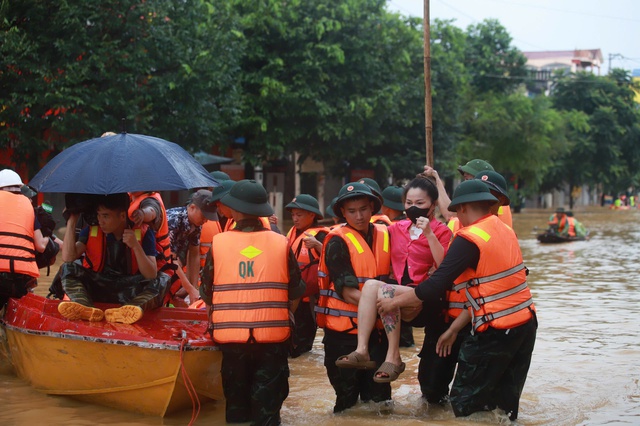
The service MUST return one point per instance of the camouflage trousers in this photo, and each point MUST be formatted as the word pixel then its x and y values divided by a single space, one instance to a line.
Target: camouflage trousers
pixel 435 372
pixel 14 285
pixel 492 369
pixel 304 332
pixel 351 383
pixel 255 380
pixel 86 286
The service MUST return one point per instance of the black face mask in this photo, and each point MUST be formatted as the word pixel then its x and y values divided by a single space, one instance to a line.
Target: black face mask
pixel 414 213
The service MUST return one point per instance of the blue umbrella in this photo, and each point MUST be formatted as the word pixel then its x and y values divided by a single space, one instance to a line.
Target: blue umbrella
pixel 122 163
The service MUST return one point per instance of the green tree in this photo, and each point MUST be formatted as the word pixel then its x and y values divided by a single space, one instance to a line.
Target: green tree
pixel 495 65
pixel 608 147
pixel 331 79
pixel 518 135
pixel 72 70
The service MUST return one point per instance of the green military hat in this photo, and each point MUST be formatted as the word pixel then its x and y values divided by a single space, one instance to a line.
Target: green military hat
pixel 474 167
pixel 248 197
pixel 353 190
pixel 219 175
pixel 373 185
pixel 392 198
pixel 221 190
pixel 329 210
pixel 470 191
pixel 496 182
pixel 305 202
pixel 560 210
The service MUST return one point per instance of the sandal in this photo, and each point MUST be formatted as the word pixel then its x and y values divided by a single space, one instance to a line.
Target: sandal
pixel 391 370
pixel 355 360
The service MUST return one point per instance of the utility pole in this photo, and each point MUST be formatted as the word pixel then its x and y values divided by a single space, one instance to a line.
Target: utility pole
pixel 613 56
pixel 427 86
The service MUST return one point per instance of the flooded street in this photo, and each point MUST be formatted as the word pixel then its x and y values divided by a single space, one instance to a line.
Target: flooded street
pixel 585 369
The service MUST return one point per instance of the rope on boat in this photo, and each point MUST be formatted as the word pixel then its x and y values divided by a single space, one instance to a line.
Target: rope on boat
pixel 191 390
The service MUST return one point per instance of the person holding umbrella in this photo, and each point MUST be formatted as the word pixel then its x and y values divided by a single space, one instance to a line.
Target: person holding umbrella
pixel 118 266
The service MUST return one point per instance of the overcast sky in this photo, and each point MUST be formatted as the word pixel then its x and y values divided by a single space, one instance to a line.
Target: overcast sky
pixel 538 25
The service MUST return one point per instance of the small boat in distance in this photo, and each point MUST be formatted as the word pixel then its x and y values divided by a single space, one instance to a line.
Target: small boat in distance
pixel 552 237
pixel 163 363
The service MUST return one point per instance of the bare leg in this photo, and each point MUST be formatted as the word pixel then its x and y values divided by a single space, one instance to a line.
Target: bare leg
pixel 367 314
pixel 391 323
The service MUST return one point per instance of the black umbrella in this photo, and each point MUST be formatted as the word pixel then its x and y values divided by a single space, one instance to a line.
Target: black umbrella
pixel 122 163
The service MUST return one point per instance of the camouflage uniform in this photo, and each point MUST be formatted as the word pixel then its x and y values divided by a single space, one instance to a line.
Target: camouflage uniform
pixel 492 369
pixel 255 382
pixel 351 383
pixel 255 376
pixel 113 284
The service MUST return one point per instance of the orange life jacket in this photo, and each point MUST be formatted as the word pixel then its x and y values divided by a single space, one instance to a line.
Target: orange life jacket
pixel 163 244
pixel 332 311
pixel 504 214
pixel 210 229
pixel 296 244
pixel 381 219
pixel 307 260
pixel 95 253
pixel 569 222
pixel 250 287
pixel 231 224
pixel 456 299
pixel 454 224
pixel 496 291
pixel 17 250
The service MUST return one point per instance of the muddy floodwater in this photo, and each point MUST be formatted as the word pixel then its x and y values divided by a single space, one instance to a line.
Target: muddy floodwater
pixel 585 369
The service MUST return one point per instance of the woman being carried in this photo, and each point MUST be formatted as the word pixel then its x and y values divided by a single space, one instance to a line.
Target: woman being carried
pixel 418 245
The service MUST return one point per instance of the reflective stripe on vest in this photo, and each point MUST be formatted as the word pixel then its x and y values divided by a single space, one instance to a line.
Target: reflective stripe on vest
pixel 496 291
pixel 250 287
pixel 333 312
pixel 210 229
pixel 17 250
pixel 95 253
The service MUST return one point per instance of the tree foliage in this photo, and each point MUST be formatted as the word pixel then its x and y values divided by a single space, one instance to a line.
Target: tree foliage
pixel 608 146
pixel 72 70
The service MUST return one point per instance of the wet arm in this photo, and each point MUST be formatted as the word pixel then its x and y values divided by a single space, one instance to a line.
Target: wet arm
pixel 71 249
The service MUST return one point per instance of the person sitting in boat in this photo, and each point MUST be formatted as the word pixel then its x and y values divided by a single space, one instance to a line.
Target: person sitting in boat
pixel 573 228
pixel 556 218
pixel 251 282
pixel 20 238
pixel 118 266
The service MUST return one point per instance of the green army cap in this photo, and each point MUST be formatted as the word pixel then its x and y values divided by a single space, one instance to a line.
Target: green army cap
pixel 470 191
pixel 248 197
pixel 329 210
pixel 496 182
pixel 219 175
pixel 474 167
pixel 305 202
pixel 221 190
pixel 373 185
pixel 392 198
pixel 354 190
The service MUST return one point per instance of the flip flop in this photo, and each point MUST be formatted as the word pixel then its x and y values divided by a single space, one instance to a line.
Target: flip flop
pixel 355 360
pixel 391 370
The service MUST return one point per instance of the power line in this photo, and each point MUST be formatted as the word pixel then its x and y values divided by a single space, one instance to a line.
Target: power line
pixel 572 12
